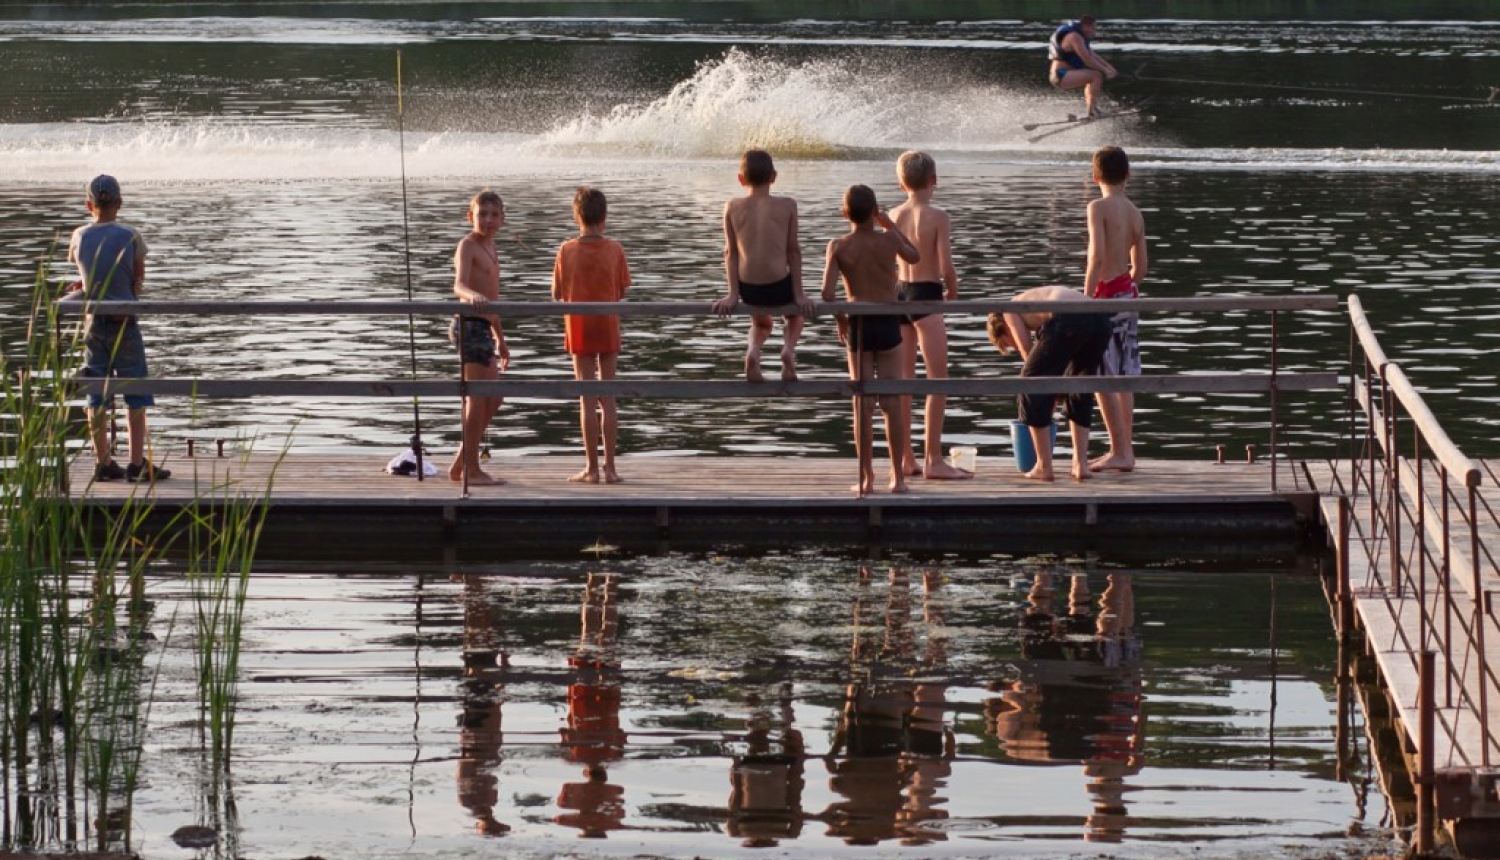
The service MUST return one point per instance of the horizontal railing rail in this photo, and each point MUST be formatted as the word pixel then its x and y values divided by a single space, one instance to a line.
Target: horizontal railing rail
pixel 678 308
pixel 679 389
pixel 1273 382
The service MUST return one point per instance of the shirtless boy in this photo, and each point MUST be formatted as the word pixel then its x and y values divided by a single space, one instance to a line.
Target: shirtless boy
pixel 1116 267
pixel 866 258
pixel 478 336
pixel 930 279
pixel 592 268
pixel 763 261
pixel 1063 344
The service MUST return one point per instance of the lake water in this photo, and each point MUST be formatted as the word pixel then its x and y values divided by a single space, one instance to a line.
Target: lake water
pixel 942 707
pixel 263 159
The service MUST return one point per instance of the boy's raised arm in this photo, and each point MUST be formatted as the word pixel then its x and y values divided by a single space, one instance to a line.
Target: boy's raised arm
pixel 905 249
pixel 830 286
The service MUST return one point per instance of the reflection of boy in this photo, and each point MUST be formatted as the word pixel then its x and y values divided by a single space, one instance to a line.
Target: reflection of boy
pixel 1061 344
pixel 932 278
pixel 592 268
pixel 763 261
pixel 479 336
pixel 866 259
pixel 593 736
pixel 1116 267
pixel 111 261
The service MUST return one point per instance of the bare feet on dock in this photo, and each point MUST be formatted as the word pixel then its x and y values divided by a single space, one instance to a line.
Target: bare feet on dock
pixel 945 471
pixel 1038 474
pixel 456 469
pixel 865 487
pixel 587 476
pixel 1112 463
pixel 788 368
pixel 481 478
pixel 898 484
pixel 611 476
pixel 752 368
pixel 1081 472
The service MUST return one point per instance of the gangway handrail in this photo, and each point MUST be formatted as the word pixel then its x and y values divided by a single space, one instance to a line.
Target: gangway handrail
pixel 1438 440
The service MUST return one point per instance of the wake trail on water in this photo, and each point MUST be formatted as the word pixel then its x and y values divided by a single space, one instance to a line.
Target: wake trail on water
pixel 841 107
pixel 825 108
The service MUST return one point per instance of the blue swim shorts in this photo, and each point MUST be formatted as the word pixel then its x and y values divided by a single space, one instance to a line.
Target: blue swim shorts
pixel 114 348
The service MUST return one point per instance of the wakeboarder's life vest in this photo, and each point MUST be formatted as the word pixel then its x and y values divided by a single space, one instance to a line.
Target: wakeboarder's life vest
pixel 1055 49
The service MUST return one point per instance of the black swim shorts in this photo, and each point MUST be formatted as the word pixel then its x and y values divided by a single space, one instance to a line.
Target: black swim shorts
pixel 918 291
pixel 478 343
pixel 876 333
pixel 774 295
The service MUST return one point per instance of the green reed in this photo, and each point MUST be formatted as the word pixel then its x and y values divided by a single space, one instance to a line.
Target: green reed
pixel 75 690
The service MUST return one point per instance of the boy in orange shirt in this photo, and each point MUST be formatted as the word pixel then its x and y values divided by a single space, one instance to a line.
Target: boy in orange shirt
pixel 592 268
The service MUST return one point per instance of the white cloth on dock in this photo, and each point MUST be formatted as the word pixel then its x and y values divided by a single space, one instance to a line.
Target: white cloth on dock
pixel 405 463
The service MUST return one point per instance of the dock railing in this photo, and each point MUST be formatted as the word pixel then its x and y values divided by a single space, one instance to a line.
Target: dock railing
pixel 1422 516
pixel 1272 382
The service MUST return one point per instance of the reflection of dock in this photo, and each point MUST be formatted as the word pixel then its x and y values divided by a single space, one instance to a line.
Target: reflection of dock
pixel 720 498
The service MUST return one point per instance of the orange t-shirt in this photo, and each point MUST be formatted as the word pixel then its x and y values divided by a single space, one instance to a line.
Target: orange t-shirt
pixel 591 270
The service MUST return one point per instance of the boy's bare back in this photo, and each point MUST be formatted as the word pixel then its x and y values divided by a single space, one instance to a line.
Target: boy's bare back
pixel 1117 239
pixel 866 261
pixel 928 228
pixel 760 231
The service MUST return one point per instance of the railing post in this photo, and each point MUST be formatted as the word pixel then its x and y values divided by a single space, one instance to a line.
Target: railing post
pixel 1345 596
pixel 1487 739
pixel 1275 396
pixel 1426 739
pixel 1392 481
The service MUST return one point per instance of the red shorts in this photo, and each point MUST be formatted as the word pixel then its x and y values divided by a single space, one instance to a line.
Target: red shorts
pixel 1116 287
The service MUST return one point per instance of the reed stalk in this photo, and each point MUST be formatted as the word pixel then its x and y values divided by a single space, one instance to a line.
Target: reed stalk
pixel 75 690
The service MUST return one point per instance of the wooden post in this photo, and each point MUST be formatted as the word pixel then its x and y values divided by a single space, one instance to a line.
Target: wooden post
pixel 1345 596
pixel 1426 739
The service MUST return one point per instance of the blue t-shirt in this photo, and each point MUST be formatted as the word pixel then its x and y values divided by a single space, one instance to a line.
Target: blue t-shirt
pixel 106 255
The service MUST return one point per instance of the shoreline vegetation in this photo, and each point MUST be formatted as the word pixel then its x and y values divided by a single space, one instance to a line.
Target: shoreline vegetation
pixel 78 656
pixel 749 11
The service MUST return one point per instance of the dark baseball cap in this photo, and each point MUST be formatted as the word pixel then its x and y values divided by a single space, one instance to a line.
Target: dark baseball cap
pixel 104 189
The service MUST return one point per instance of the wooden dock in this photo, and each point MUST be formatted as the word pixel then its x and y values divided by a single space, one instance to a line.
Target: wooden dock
pixel 729 500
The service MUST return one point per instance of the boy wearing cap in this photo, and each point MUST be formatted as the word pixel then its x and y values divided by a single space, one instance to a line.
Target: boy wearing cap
pixel 111 261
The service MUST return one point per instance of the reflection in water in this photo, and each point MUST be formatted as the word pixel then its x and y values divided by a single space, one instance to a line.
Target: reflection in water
pixel 593 737
pixel 751 721
pixel 1079 698
pixel 481 693
pixel 765 798
pixel 892 733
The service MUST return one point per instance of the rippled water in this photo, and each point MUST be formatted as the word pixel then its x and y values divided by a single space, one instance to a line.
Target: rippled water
pixel 656 706
pixel 260 155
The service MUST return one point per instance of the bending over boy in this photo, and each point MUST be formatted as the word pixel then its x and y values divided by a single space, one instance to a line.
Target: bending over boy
pixel 866 258
pixel 1070 344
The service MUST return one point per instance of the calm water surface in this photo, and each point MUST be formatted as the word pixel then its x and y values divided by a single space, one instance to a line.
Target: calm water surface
pixel 719 706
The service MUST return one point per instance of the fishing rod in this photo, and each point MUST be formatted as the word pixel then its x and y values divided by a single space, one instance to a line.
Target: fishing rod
pixel 1490 99
pixel 411 323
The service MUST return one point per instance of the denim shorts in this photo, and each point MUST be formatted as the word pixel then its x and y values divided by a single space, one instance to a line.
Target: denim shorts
pixel 114 348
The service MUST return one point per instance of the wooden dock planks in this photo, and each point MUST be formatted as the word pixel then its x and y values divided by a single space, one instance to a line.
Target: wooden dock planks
pixel 315 480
